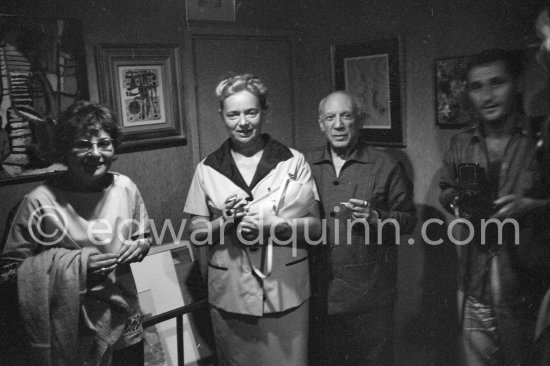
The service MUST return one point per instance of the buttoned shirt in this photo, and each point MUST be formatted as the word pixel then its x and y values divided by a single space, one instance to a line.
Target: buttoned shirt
pixel 518 175
pixel 362 265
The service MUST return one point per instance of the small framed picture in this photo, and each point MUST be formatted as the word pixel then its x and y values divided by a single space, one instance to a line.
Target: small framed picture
pixel 141 95
pixel 452 110
pixel 142 84
pixel 210 10
pixel 372 71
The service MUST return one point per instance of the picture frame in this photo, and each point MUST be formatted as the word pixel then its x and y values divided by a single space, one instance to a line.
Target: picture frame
pixel 451 107
pixel 43 72
pixel 142 84
pixel 210 10
pixel 373 71
pixel 168 278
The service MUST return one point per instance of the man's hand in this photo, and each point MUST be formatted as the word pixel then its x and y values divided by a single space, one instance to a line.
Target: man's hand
pixel 362 210
pixel 513 206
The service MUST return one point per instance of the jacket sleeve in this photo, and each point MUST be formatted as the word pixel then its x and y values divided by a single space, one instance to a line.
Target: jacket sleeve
pixel 26 232
pixel 400 201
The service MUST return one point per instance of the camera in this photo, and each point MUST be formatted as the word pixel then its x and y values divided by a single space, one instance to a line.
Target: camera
pixel 474 197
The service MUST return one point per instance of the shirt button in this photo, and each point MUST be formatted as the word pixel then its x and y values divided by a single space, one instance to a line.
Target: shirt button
pixel 335 183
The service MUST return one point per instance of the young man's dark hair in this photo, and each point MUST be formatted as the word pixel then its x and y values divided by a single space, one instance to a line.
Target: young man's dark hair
pixel 512 59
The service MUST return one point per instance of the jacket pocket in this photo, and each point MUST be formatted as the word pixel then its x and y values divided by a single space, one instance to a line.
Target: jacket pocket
pixel 217 267
pixel 296 261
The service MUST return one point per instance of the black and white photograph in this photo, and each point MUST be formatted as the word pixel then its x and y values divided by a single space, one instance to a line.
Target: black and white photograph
pixel 274 183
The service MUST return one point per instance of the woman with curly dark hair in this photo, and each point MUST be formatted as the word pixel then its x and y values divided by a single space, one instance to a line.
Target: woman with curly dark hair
pixel 74 238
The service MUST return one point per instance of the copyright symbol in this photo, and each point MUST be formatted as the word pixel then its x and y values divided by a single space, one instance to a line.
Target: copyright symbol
pixel 53 230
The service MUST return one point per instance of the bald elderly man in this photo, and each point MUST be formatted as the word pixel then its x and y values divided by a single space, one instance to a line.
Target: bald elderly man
pixel 367 204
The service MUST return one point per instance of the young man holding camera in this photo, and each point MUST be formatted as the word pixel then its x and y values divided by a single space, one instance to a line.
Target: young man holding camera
pixel 490 173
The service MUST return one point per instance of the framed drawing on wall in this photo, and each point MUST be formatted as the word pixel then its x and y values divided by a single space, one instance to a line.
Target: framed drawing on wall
pixel 43 71
pixel 452 111
pixel 142 84
pixel 372 71
pixel 210 10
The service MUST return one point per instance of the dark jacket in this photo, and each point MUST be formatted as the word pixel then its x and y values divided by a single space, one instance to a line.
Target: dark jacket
pixel 356 269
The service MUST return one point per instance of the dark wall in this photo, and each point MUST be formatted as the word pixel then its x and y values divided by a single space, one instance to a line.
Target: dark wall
pixel 429 29
pixel 163 175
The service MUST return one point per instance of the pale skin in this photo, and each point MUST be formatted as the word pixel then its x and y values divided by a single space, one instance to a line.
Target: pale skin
pixel 88 172
pixel 339 120
pixel 243 118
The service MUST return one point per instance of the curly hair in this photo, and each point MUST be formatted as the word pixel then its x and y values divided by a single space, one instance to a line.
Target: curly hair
pixel 236 83
pixel 84 118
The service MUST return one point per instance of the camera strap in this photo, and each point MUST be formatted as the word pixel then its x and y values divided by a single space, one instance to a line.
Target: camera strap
pixel 278 203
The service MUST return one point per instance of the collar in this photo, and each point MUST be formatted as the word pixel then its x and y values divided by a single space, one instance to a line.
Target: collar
pixel 358 154
pixel 222 161
pixel 521 126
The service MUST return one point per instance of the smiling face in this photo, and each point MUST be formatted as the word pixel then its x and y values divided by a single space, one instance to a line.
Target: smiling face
pixel 243 117
pixel 90 164
pixel 338 120
pixel 492 89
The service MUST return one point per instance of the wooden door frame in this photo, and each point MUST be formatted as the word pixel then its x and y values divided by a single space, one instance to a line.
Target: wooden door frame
pixel 190 75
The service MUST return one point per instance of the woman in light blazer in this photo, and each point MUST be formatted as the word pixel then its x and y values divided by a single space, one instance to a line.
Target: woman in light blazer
pixel 254 203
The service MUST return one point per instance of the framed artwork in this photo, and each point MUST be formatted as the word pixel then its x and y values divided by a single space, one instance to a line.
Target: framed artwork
pixel 167 279
pixel 210 10
pixel 451 108
pixel 142 84
pixel 372 71
pixel 43 71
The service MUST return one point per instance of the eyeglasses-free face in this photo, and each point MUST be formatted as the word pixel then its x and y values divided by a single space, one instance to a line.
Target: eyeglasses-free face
pixel 243 117
pixel 338 121
pixel 492 91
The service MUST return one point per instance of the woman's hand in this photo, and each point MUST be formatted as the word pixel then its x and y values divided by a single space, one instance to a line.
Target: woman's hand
pixel 234 207
pixel 133 250
pixel 255 224
pixel 249 227
pixel 101 264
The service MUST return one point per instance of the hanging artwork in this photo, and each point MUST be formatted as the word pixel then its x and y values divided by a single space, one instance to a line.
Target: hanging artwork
pixel 141 95
pixel 142 83
pixel 452 110
pixel 42 71
pixel 373 71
